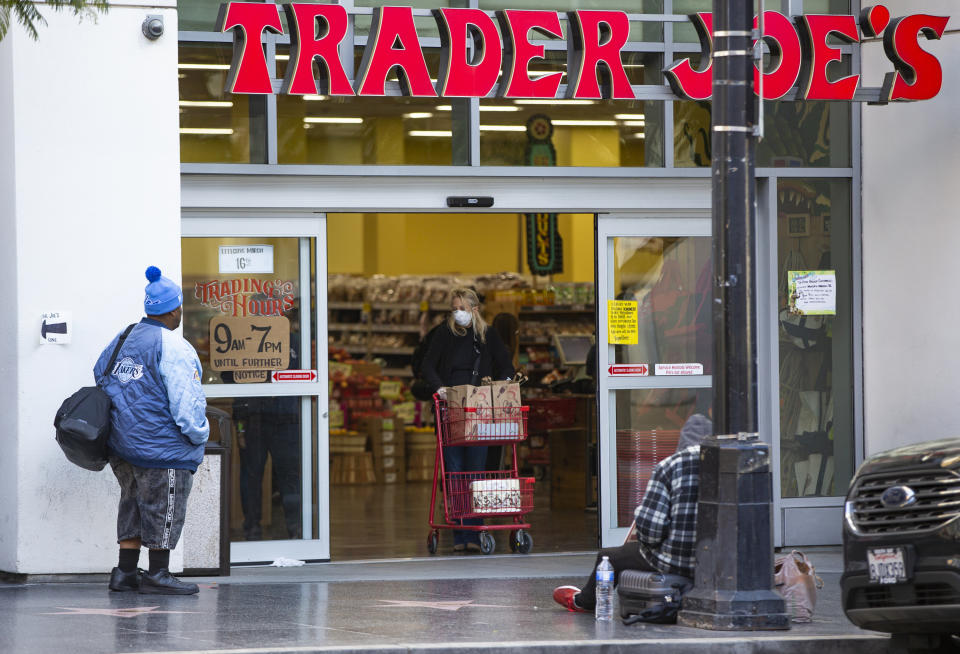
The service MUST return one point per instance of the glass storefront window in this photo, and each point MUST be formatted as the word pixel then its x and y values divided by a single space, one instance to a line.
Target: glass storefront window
pixel 647 431
pixel 670 279
pixel 348 130
pixel 215 126
pixel 816 351
pixel 197 15
pixel 267 464
pixel 684 32
pixel 650 32
pixel 584 132
pixel 691 134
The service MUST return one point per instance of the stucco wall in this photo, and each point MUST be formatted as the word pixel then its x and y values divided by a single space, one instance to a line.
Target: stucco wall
pixel 911 167
pixel 96 200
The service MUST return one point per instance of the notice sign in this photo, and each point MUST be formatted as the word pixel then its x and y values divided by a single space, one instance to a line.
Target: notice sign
pixel 678 369
pixel 252 343
pixel 247 259
pixel 813 292
pixel 622 322
pixel 250 376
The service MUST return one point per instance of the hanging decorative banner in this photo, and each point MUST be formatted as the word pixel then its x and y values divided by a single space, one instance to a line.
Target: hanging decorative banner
pixel 544 245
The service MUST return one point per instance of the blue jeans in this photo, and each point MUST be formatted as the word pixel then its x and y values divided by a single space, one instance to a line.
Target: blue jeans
pixel 465 459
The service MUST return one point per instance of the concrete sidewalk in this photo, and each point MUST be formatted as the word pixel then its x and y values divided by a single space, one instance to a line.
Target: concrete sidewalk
pixel 463 603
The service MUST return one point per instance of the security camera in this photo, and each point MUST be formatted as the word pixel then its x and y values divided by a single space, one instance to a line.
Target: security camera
pixel 153 27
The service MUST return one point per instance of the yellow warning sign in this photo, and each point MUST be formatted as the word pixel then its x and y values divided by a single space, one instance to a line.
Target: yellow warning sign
pixel 622 322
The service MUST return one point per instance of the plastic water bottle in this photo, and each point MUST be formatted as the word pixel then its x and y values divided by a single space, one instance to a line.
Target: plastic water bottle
pixel 604 609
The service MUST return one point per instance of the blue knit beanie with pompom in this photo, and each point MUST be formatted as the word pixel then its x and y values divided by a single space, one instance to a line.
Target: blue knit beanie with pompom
pixel 162 296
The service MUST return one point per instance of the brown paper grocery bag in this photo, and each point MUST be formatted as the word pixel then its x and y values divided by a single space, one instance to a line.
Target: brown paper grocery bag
pixel 464 424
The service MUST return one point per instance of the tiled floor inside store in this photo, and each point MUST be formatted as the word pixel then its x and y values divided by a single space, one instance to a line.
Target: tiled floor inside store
pixel 390 521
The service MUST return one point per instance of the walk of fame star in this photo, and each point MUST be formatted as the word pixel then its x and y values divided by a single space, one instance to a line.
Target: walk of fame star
pixel 453 605
pixel 132 612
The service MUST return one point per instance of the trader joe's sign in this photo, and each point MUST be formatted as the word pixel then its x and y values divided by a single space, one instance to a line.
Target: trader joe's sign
pixel 803 49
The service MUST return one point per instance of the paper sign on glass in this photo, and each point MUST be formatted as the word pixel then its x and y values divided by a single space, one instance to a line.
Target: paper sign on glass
pixel 250 259
pixel 622 322
pixel 813 292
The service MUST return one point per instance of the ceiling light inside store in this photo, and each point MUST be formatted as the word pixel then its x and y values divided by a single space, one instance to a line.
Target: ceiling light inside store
pixel 213 131
pixel 503 128
pixel 440 133
pixel 629 116
pixel 283 57
pixel 332 120
pixel 639 135
pixel 419 114
pixel 314 98
pixel 585 123
pixel 635 123
pixel 205 103
pixel 203 66
pixel 559 103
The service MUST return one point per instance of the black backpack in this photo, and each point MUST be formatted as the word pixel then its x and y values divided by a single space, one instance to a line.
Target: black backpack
pixel 420 388
pixel 83 421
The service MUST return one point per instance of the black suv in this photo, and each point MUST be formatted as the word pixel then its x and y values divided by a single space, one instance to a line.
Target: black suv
pixel 901 544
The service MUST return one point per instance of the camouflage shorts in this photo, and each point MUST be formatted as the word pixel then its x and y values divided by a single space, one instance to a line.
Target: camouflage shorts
pixel 153 503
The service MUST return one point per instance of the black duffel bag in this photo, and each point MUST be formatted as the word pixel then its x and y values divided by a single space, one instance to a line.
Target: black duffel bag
pixel 83 421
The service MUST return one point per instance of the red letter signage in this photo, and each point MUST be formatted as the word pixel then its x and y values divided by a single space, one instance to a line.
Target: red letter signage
pixel 459 78
pixel 784 44
pixel 597 38
pixel 515 26
pixel 683 78
pixel 918 75
pixel 306 50
pixel 815 30
pixel 248 70
pixel 392 26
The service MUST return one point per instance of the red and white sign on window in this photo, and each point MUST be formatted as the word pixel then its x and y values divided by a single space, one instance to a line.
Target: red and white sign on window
pixel 293 376
pixel 631 369
pixel 678 369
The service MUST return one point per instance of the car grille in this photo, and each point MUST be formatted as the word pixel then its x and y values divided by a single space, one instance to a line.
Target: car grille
pixel 881 597
pixel 938 502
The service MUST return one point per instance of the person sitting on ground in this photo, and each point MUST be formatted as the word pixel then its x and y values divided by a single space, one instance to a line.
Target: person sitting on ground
pixel 665 521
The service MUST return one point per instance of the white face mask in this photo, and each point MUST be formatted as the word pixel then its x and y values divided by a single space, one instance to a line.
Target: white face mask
pixel 462 318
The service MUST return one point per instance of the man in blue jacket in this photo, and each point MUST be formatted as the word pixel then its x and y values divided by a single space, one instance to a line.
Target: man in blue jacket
pixel 159 430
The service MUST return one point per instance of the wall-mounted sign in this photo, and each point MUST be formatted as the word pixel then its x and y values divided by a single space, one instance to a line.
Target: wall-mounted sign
pixel 247 297
pixel 253 343
pixel 804 45
pixel 622 322
pixel 248 259
pixel 55 327
pixel 812 292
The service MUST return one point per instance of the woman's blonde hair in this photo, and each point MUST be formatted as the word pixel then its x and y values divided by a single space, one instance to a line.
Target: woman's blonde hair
pixel 472 303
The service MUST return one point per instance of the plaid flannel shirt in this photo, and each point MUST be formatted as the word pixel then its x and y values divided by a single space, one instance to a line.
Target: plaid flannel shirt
pixel 667 515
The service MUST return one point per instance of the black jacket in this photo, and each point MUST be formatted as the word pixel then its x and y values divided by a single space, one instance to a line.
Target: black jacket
pixel 450 358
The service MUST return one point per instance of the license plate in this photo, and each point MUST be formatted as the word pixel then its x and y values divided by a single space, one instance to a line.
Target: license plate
pixel 887 565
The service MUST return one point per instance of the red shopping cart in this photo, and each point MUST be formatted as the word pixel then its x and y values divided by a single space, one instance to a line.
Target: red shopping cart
pixel 483 494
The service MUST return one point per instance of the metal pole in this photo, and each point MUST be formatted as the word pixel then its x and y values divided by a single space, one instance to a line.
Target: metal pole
pixel 733 588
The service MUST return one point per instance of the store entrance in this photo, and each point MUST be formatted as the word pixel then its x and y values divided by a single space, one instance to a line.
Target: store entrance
pixel 389 283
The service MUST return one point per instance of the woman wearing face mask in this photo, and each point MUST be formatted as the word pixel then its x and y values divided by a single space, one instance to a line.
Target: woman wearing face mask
pixel 464 351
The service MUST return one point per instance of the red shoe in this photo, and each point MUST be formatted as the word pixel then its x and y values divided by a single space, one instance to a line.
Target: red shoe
pixel 563 595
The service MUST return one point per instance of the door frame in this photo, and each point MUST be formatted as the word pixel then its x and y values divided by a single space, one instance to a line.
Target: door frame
pixel 294 224
pixel 609 226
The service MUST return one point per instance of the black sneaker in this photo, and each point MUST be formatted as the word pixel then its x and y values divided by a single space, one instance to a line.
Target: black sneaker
pixel 121 581
pixel 162 582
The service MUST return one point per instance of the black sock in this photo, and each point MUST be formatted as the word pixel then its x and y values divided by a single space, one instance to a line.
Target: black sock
pixel 128 560
pixel 159 560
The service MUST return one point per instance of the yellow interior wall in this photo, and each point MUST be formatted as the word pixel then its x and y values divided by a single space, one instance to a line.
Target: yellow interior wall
pixel 444 244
